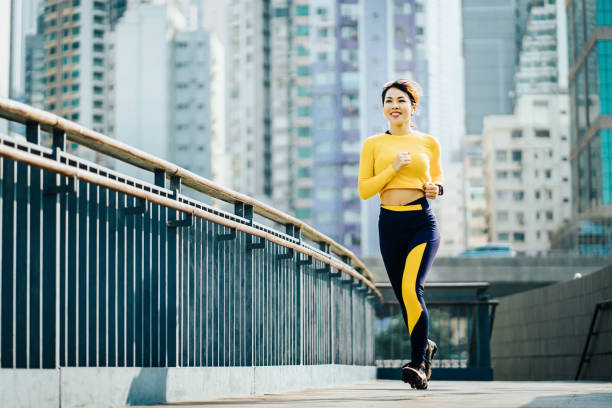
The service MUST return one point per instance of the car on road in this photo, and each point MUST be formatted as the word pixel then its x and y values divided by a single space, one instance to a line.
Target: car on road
pixel 489 250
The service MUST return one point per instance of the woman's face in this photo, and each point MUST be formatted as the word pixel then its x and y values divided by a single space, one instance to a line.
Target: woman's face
pixel 397 107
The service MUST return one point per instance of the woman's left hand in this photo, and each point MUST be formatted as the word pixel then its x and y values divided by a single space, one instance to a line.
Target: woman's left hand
pixel 431 190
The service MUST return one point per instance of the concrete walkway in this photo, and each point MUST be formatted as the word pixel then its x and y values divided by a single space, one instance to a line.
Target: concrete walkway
pixel 441 394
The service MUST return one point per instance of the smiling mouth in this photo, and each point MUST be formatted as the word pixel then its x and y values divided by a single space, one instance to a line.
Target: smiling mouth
pixel 396 114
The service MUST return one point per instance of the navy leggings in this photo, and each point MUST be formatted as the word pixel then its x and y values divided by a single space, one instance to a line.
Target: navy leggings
pixel 409 240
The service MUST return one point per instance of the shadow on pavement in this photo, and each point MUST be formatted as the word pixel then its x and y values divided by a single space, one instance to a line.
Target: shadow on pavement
pixel 596 400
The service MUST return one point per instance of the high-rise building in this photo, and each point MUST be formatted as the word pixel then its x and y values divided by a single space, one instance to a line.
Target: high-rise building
pixel 542 66
pixel 589 31
pixel 526 172
pixel 75 60
pixel 24 21
pixel 248 103
pixel 168 88
pixel 491 34
pixel 447 107
pixel 475 224
pixel 35 67
pixel 318 67
pixel 5 55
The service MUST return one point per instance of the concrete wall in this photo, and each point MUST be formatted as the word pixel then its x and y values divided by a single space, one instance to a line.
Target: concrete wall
pixel 89 387
pixel 540 334
pixel 523 269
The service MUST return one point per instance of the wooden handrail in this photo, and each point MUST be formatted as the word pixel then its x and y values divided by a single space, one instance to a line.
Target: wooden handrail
pixel 22 113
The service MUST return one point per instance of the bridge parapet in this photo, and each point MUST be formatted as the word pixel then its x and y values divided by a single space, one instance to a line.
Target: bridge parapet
pixel 99 269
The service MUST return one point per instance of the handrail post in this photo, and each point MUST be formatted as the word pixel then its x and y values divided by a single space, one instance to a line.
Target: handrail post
pixel 248 306
pixel 172 323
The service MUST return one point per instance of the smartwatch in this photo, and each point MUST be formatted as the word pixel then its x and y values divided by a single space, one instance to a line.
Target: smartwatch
pixel 440 189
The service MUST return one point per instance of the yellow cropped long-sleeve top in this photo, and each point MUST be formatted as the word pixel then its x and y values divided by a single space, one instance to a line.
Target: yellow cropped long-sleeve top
pixel 376 172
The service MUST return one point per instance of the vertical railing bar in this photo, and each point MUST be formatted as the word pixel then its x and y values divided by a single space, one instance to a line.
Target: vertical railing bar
pixel 147 283
pixel 92 276
pixel 154 284
pixel 197 256
pixel 112 278
pixel 22 279
pixel 122 277
pixel 102 278
pixel 130 274
pixel 7 272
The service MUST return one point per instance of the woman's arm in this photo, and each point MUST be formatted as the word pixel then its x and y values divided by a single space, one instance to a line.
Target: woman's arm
pixel 435 167
pixel 369 184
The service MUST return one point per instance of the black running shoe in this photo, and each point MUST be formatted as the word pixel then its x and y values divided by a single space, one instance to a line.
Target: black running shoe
pixel 415 375
pixel 430 352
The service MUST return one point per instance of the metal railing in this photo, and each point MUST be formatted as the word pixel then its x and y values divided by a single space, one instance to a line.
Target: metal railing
pixel 101 269
pixel 461 320
pixel 600 306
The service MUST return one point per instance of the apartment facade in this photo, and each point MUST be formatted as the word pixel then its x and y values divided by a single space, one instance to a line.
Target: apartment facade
pixel 527 173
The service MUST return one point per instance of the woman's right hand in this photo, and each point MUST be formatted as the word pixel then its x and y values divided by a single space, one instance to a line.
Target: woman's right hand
pixel 402 159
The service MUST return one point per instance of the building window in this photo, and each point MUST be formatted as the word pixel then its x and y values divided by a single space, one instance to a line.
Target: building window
pixel 75 73
pixel 304 152
pixel 518 236
pixel 75 102
pixel 304 193
pixel 501 174
pixel 516 133
pixel 303 172
pixel 97 118
pixel 349 33
pixel 301 10
pixel 303 111
pixel 303 70
pixel 302 30
pixel 517 195
pixel 75 45
pixel 76 17
pixel 502 216
pixel 98 47
pixel 99 76
pixel 500 155
pixel 517 156
pixel 76 30
pixel 303 132
pixel 281 12
pixel 503 236
pixel 98 62
pixel 542 133
pixel 549 215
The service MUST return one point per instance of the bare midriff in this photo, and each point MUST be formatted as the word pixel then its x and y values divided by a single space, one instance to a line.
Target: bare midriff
pixel 400 196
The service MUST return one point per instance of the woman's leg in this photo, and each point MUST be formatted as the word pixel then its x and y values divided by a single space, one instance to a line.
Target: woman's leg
pixel 408 253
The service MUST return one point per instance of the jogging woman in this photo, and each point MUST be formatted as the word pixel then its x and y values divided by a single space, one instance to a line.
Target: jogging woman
pixel 403 166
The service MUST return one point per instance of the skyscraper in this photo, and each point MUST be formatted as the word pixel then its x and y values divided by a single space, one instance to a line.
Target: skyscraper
pixel 5 55
pixel 75 43
pixel 491 32
pixel 589 24
pixel 168 72
pixel 527 173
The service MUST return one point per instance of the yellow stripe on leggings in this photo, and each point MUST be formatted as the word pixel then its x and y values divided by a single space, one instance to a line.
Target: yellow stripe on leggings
pixel 409 296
